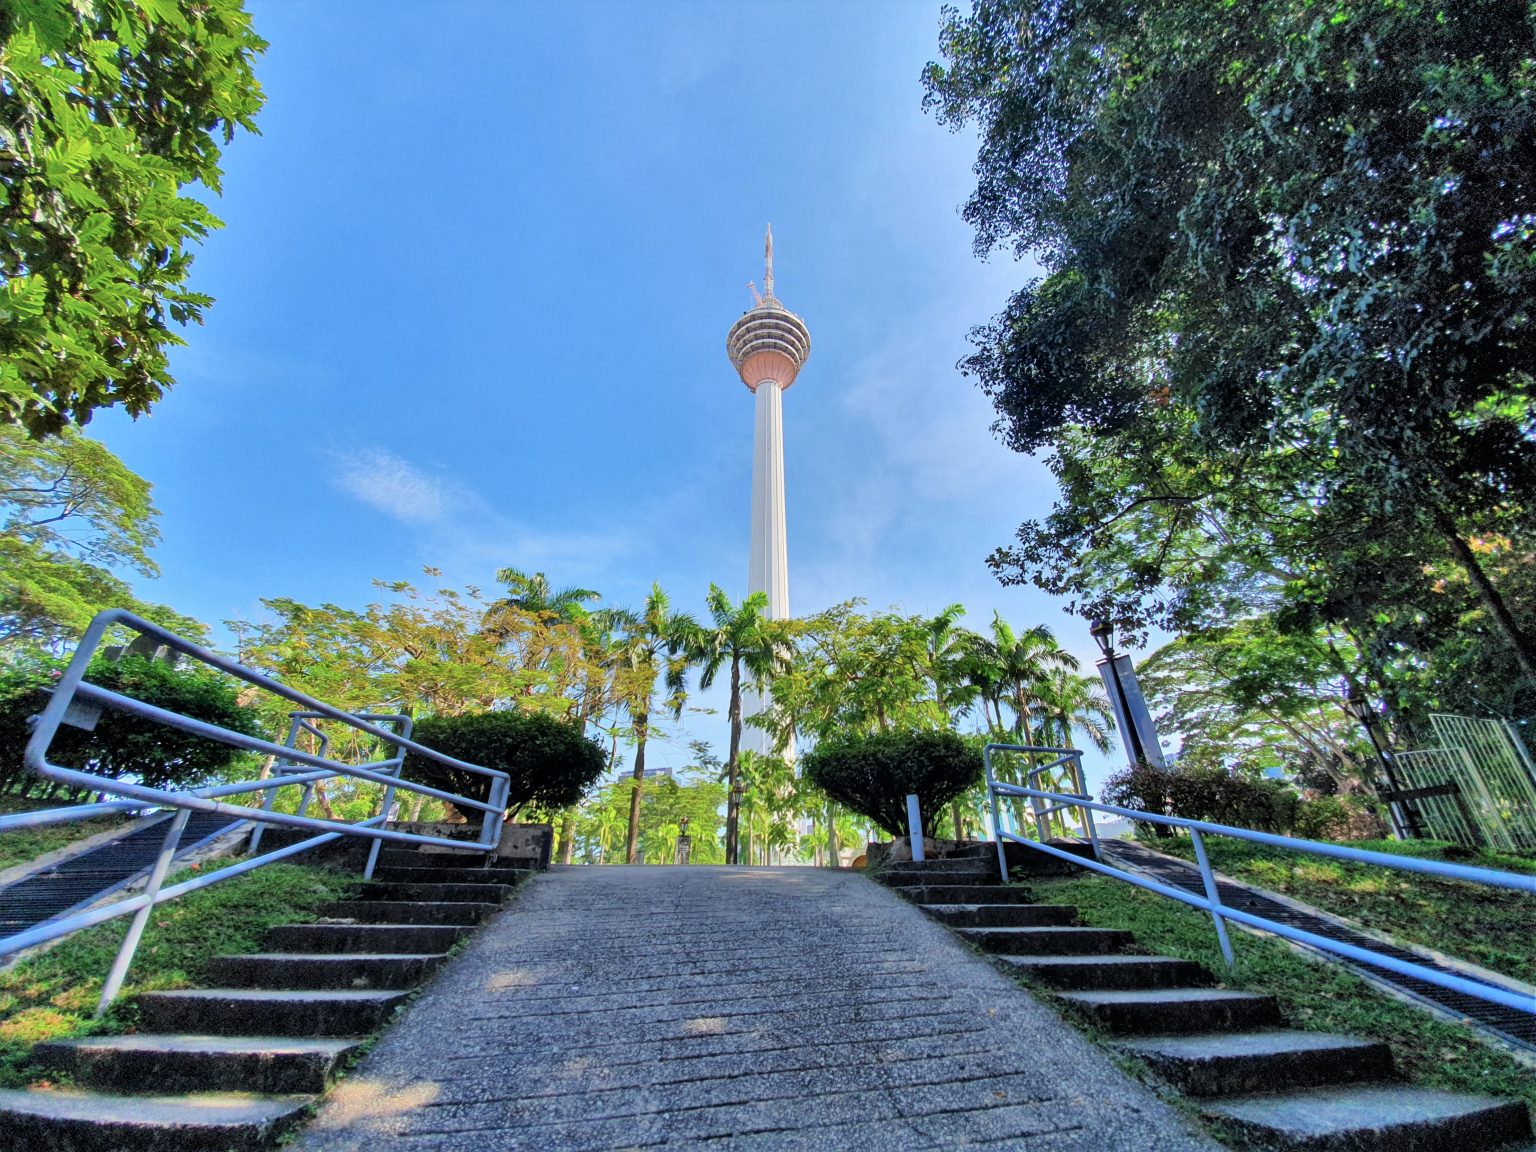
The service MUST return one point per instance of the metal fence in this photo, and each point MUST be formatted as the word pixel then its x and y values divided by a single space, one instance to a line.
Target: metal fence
pixel 1477 788
pixel 1211 902
pixel 77 701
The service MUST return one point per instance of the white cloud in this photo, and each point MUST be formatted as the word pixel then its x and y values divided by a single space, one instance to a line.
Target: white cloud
pixel 393 486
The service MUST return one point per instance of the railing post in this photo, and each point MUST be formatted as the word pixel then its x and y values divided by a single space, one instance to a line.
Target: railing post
pixel 997 825
pixel 1213 894
pixel 119 972
pixel 915 829
pixel 1090 824
pixel 277 770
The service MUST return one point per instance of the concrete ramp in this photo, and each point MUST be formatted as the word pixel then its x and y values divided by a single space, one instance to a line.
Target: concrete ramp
pixel 732 1008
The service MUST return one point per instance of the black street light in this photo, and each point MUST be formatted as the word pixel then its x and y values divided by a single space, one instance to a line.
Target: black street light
pixel 1359 708
pixel 1103 633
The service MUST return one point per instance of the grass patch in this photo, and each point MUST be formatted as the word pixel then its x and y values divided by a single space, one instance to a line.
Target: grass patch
pixel 1313 994
pixel 20 845
pixel 53 995
pixel 1487 926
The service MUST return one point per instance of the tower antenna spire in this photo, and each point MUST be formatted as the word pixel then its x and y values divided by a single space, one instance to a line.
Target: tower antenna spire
pixel 768 263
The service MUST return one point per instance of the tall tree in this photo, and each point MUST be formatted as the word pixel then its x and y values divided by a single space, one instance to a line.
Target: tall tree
pixel 743 639
pixel 70 511
pixel 108 110
pixel 651 646
pixel 1305 231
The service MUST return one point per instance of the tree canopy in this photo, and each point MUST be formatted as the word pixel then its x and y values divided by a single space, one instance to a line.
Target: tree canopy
pixel 108 110
pixel 1281 354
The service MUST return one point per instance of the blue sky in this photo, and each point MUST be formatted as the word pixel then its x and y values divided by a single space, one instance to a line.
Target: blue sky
pixel 472 301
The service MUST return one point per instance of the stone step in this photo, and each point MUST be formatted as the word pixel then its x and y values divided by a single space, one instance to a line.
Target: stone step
pixel 417 939
pixel 511 876
pixel 976 872
pixel 329 970
pixel 1089 973
pixel 433 858
pixel 442 893
pixel 186 1063
pixel 1002 915
pixel 1374 1118
pixel 407 912
pixel 1168 1011
pixel 1235 1063
pixel 74 1121
pixel 268 1012
pixel 967 894
pixel 1048 941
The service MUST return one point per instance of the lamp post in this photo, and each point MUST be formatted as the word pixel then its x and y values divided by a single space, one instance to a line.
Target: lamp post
pixel 1358 706
pixel 1103 633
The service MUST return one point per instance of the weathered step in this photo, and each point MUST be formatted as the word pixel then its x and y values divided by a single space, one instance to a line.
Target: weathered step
pixel 414 938
pixel 334 970
pixel 1375 1118
pixel 510 876
pixel 1088 973
pixel 1235 1063
pixel 1002 915
pixel 940 872
pixel 1048 941
pixel 431 858
pixel 967 894
pixel 443 893
pixel 268 1012
pixel 73 1121
pixel 408 912
pixel 1160 1011
pixel 274 1065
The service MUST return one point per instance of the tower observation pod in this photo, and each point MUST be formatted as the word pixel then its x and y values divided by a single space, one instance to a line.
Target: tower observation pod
pixel 768 346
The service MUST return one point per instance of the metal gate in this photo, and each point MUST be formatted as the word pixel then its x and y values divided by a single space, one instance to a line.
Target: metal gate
pixel 1492 801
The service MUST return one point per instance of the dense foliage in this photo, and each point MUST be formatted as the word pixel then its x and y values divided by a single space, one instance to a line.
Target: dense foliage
pixel 549 760
pixel 121 745
pixel 1281 354
pixel 70 512
pixel 873 775
pixel 1210 794
pixel 108 110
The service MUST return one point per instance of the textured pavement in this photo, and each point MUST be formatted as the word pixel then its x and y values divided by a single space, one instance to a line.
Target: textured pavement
pixel 731 1008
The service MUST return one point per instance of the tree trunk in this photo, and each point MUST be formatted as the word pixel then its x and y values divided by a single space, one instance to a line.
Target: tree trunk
pixel 732 765
pixel 954 810
pixel 632 840
pixel 832 859
pixel 568 835
pixel 1503 620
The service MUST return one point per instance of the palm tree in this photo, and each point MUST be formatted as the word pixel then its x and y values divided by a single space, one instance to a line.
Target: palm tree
pixel 649 636
pixel 1014 668
pixel 743 637
pixel 532 594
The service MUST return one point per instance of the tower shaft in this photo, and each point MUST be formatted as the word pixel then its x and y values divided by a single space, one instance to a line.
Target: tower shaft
pixel 768 558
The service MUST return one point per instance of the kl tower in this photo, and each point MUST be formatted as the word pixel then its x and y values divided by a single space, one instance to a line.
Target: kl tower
pixel 768 346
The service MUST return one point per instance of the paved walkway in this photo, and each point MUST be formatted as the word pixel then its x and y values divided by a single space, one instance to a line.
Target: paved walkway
pixel 731 1008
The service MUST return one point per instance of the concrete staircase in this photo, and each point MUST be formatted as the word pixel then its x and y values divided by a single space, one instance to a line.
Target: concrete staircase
pixel 1263 1084
pixel 231 1068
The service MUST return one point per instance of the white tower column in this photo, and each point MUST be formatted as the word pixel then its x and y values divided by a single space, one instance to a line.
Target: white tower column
pixel 768 560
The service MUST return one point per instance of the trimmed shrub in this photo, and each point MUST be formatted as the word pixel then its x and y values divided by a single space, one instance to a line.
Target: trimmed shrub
pixel 550 761
pixel 122 745
pixel 872 775
pixel 1210 794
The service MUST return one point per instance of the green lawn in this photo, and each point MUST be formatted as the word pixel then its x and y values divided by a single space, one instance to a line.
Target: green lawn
pixel 23 844
pixel 1487 926
pixel 1313 995
pixel 54 994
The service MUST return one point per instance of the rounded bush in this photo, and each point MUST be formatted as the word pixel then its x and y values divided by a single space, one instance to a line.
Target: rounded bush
pixel 873 775
pixel 550 761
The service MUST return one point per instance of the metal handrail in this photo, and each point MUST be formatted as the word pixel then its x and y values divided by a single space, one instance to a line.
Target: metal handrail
pixel 287 772
pixel 1219 912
